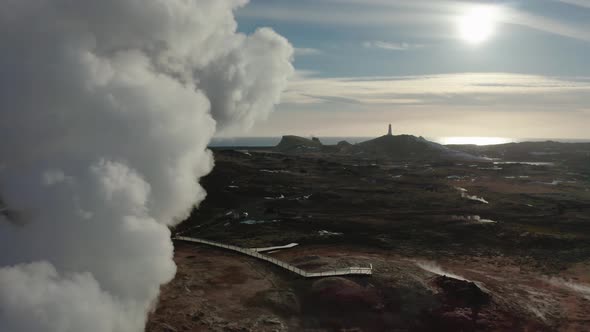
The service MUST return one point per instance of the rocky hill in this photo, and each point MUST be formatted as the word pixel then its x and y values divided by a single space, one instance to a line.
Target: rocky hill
pixel 291 143
pixel 401 145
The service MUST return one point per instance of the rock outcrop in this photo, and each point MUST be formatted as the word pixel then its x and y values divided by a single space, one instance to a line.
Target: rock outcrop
pixel 292 143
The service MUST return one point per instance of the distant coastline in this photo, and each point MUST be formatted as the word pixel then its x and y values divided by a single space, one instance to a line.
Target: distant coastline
pixel 273 141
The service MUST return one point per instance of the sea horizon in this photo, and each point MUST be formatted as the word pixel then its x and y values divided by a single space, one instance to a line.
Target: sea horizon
pixel 269 141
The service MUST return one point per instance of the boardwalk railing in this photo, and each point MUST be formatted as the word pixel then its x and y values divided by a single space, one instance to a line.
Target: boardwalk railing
pixel 286 266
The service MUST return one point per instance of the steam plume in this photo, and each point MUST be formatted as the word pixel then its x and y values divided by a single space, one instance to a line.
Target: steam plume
pixel 106 109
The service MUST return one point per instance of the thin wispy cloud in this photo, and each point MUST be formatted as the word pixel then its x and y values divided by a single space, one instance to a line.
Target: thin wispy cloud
pixel 305 51
pixel 545 24
pixel 368 16
pixel 391 46
pixel 580 3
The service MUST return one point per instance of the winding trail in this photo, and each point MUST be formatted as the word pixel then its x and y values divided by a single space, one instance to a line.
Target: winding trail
pixel 286 266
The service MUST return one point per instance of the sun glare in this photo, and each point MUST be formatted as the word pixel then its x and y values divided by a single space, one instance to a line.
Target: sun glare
pixel 477 25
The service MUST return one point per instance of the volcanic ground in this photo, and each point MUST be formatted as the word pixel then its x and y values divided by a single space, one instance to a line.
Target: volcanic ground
pixel 495 245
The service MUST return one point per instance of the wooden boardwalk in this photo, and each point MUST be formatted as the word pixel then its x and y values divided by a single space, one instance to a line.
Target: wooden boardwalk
pixel 286 266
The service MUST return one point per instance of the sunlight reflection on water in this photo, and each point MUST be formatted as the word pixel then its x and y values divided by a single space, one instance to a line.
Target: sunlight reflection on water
pixel 476 140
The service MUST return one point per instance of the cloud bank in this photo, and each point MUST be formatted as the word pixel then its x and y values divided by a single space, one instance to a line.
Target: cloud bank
pixel 461 88
pixel 106 109
pixel 443 105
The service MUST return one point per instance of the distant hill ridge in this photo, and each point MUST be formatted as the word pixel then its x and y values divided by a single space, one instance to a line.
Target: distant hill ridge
pixel 387 146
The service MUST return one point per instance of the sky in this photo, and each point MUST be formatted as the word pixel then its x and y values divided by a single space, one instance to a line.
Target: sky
pixel 361 64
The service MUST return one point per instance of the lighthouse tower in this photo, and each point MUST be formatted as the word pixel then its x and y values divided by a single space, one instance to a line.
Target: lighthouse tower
pixel 389 132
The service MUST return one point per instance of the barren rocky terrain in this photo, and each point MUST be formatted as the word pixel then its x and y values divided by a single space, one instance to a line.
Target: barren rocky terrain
pixel 499 244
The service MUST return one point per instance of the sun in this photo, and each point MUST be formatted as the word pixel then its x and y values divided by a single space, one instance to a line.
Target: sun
pixel 477 25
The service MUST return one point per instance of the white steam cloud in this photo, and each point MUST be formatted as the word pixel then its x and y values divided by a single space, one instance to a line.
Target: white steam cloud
pixel 579 288
pixel 434 268
pixel 106 109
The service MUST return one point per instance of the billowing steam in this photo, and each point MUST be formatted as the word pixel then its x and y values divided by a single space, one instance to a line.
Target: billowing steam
pixel 106 109
pixel 579 288
pixel 434 268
